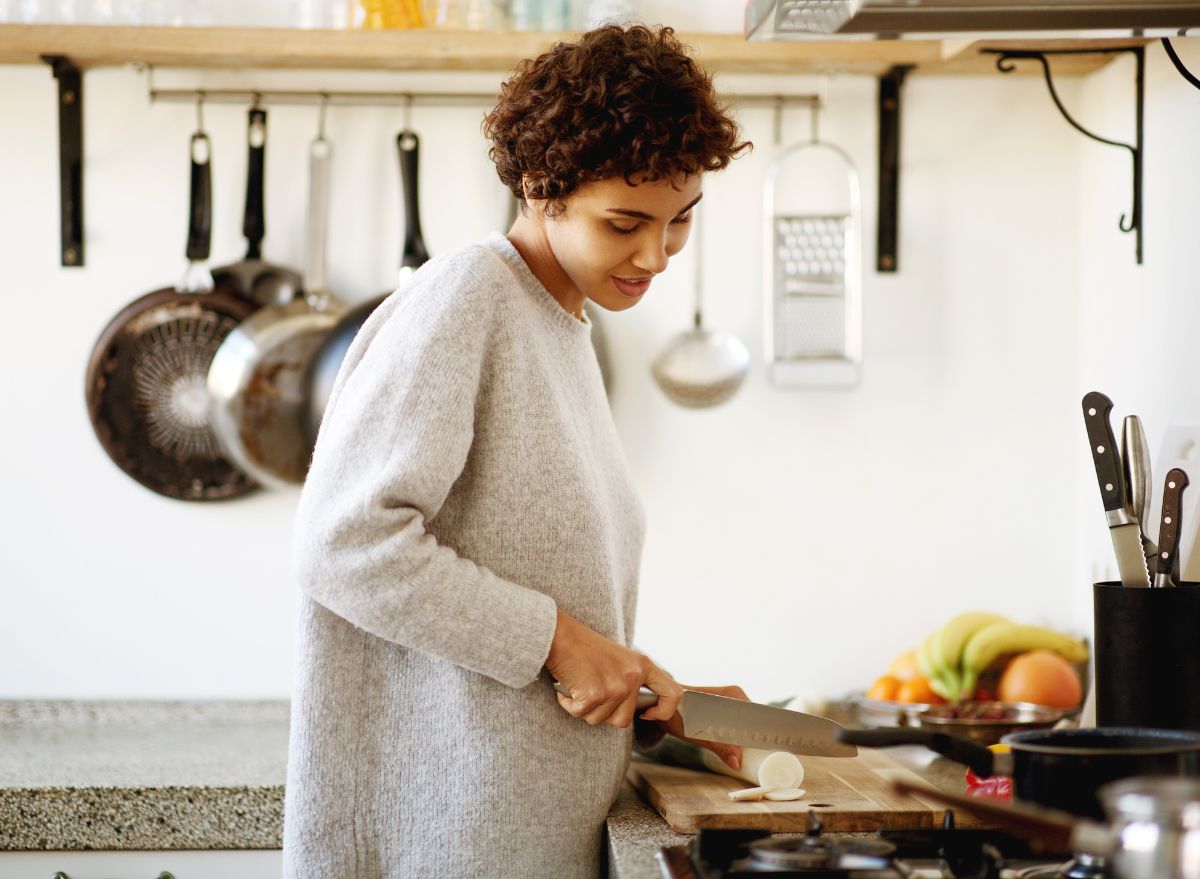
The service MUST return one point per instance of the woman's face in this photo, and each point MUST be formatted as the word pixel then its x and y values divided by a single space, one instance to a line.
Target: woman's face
pixel 613 238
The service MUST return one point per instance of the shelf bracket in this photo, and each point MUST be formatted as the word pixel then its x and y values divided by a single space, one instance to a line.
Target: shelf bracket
pixel 889 167
pixel 1004 63
pixel 1179 65
pixel 70 157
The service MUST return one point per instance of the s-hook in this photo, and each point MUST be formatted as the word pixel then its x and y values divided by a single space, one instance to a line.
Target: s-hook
pixel 1004 63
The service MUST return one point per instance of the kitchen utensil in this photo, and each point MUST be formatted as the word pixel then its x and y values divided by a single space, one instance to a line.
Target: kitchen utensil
pixel 258 399
pixel 1156 822
pixel 700 368
pixel 846 794
pixel 1125 531
pixel 1167 561
pixel 1050 830
pixel 1147 653
pixel 812 266
pixel 987 722
pixel 1060 768
pixel 738 722
pixel 146 394
pixel 260 281
pixel 1135 458
pixel 327 359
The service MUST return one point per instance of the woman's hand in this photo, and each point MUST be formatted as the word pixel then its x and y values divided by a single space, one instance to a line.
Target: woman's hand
pixel 604 677
pixel 730 754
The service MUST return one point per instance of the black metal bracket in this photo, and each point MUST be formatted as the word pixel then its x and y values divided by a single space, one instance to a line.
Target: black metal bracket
pixel 1183 71
pixel 70 157
pixel 1004 63
pixel 886 258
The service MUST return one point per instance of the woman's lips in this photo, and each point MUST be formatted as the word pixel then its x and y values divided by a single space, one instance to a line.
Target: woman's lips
pixel 631 288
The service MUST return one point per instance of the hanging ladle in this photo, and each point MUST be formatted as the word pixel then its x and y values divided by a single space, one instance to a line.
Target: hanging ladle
pixel 701 368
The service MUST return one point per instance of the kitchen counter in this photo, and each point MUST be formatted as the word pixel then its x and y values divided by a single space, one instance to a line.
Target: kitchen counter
pixel 209 775
pixel 108 775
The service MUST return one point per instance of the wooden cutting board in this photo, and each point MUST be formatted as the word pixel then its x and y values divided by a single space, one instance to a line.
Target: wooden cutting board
pixel 848 793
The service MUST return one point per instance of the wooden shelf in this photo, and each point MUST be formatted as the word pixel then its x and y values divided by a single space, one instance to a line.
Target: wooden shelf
pixel 101 45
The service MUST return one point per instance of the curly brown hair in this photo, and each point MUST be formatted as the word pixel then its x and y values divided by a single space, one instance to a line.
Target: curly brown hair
pixel 625 102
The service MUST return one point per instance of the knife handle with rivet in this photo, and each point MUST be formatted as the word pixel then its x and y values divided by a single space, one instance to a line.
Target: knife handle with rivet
pixel 646 697
pixel 1167 568
pixel 1096 409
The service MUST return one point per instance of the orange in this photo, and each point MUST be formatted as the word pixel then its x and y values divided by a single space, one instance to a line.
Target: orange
pixel 884 688
pixel 1042 677
pixel 917 690
pixel 904 667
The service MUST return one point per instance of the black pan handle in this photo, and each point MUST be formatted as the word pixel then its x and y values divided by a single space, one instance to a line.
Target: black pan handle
pixel 254 222
pixel 414 253
pixel 980 760
pixel 1168 529
pixel 199 239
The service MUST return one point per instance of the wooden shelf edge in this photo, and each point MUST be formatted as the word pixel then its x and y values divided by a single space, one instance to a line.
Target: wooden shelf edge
pixel 430 49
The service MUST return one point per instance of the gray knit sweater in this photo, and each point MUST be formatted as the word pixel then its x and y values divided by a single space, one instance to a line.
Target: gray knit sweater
pixel 468 478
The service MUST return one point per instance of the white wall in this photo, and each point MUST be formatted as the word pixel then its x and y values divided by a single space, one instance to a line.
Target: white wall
pixel 797 539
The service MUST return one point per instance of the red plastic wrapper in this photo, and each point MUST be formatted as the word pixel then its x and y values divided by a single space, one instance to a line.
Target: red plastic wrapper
pixel 998 787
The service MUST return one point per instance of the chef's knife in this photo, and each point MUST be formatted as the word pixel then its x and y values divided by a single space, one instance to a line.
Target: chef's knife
pixel 1135 456
pixel 1125 531
pixel 714 718
pixel 1167 560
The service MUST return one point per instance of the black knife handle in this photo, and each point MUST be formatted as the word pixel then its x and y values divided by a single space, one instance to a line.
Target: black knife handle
pixel 977 757
pixel 254 223
pixel 1168 529
pixel 1096 409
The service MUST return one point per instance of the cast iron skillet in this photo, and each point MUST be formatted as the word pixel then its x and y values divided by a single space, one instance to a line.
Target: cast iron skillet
pixel 145 386
pixel 1060 768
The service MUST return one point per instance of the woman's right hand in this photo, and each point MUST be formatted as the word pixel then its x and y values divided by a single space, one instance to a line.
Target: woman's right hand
pixel 604 677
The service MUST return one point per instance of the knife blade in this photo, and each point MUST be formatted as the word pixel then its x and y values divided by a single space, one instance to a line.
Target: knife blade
pixel 1135 456
pixel 1125 532
pixel 1167 561
pixel 713 718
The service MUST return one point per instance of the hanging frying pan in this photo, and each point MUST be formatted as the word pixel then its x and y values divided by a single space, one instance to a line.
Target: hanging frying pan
pixel 324 366
pixel 256 392
pixel 145 383
pixel 260 281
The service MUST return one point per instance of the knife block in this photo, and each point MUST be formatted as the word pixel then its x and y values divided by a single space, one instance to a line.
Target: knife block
pixel 1147 645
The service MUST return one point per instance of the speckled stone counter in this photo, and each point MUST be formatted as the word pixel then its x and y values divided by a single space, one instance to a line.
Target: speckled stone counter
pixel 142 775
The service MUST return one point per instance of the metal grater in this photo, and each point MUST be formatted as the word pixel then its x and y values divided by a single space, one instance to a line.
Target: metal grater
pixel 813 16
pixel 814 313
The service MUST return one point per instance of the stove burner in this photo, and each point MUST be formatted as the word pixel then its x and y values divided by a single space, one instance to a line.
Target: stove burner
pixel 1082 866
pixel 810 853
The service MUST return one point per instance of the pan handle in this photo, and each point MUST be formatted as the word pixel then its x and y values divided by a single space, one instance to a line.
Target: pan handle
pixel 414 254
pixel 200 212
pixel 320 156
pixel 980 760
pixel 254 223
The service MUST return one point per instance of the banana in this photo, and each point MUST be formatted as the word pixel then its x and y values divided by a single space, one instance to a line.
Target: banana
pixel 942 681
pixel 1005 637
pixel 946 649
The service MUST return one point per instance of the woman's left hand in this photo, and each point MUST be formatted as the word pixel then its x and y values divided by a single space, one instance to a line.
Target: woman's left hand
pixel 730 754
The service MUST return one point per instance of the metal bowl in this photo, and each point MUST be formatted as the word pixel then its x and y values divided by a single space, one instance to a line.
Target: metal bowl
pixel 986 722
pixel 885 712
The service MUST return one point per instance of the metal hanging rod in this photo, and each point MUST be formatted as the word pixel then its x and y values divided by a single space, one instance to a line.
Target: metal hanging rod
pixel 404 98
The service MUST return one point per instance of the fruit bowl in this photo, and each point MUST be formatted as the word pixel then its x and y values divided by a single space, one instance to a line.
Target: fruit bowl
pixel 986 722
pixel 885 712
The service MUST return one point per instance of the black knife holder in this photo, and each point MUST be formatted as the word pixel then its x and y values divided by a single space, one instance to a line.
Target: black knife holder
pixel 1147 651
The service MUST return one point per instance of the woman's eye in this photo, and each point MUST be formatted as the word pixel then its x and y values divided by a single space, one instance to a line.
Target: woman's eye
pixel 621 230
pixel 679 221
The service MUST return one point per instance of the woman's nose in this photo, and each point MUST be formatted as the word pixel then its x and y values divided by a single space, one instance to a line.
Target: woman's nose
pixel 652 256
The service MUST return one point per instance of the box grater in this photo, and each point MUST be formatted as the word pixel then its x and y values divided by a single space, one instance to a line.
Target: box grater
pixel 813 270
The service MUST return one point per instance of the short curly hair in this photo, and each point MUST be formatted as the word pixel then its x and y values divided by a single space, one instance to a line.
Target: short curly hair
pixel 625 102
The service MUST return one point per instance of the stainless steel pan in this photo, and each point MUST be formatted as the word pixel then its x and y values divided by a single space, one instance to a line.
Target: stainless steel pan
pixel 257 396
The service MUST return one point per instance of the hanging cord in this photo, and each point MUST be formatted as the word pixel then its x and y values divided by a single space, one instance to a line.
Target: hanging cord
pixel 1183 71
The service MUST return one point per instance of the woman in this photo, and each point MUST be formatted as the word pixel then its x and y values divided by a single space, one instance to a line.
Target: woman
pixel 469 532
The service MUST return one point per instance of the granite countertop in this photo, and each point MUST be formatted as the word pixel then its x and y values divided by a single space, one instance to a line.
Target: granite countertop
pixel 94 775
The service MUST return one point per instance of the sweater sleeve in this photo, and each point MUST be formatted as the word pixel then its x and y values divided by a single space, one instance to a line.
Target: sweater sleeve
pixel 395 438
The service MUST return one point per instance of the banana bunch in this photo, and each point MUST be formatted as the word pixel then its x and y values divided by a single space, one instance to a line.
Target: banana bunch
pixel 953 657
